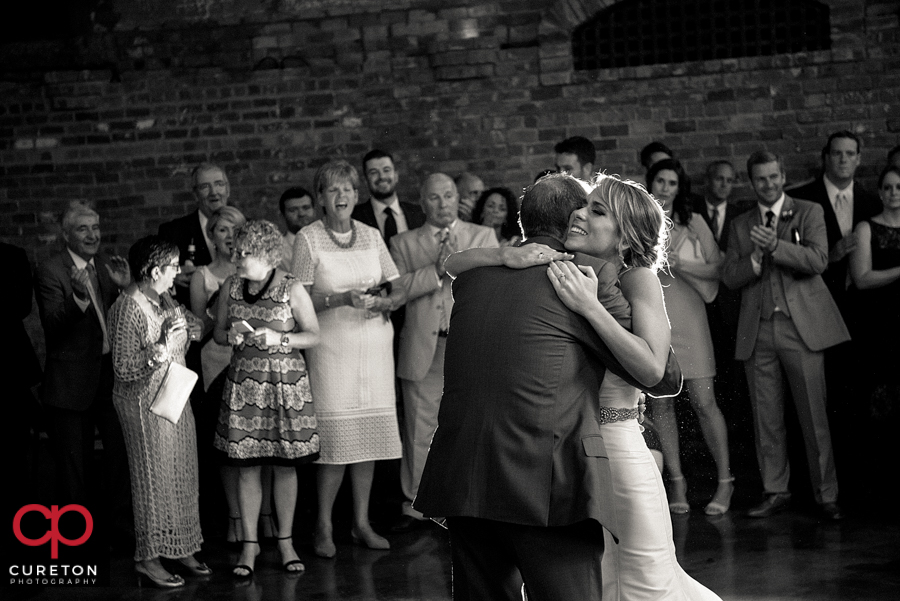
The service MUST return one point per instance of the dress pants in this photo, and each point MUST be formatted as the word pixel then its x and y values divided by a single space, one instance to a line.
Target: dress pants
pixel 421 403
pixel 71 435
pixel 779 347
pixel 491 560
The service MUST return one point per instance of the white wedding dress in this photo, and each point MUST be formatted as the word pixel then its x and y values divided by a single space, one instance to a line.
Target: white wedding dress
pixel 642 566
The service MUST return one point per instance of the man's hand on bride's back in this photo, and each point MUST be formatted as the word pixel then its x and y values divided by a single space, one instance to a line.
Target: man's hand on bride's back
pixel 529 255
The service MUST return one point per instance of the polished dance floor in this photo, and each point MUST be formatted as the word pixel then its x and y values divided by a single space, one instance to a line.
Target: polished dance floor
pixel 793 555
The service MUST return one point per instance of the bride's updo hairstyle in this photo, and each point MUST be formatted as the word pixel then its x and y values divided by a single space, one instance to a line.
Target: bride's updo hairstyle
pixel 641 221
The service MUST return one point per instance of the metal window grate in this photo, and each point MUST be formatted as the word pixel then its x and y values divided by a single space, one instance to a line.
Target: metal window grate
pixel 648 32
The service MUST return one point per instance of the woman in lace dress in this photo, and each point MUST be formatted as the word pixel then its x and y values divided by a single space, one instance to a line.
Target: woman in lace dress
pixel 148 333
pixel 694 261
pixel 352 371
pixel 267 415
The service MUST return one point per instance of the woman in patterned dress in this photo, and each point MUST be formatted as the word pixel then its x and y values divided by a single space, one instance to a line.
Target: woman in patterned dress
pixel 267 415
pixel 352 371
pixel 148 333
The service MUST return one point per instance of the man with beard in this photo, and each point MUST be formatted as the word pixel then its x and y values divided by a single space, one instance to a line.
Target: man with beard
pixel 299 210
pixel 384 210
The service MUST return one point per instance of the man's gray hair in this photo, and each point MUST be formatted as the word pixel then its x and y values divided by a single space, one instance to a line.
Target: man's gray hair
pixel 76 208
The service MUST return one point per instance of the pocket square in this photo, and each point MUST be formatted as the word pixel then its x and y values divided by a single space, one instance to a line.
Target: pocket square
pixel 594 446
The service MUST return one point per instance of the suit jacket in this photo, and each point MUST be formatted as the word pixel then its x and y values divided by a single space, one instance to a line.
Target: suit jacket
pixel 21 365
pixel 865 206
pixel 799 266
pixel 732 210
pixel 517 438
pixel 74 337
pixel 415 252
pixel 415 217
pixel 182 231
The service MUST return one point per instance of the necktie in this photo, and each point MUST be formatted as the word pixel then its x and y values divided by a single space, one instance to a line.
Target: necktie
pixel 844 213
pixel 715 223
pixel 390 224
pixel 444 243
pixel 770 219
pixel 94 293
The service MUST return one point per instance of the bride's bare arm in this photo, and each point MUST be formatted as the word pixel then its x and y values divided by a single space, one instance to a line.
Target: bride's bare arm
pixel 643 352
pixel 517 257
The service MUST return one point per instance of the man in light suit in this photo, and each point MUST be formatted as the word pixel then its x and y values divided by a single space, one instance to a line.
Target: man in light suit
pixel 419 255
pixel 211 189
pixel 776 255
pixel 74 290
pixel 517 464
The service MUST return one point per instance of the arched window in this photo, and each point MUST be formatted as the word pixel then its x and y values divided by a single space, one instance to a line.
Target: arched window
pixel 648 32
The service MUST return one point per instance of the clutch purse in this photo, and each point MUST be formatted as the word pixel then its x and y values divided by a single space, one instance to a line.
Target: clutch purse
pixel 174 392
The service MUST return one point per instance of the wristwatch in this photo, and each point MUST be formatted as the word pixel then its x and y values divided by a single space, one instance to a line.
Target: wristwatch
pixel 285 341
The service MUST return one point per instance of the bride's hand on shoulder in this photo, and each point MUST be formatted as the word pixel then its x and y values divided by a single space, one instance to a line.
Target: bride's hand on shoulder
pixel 520 257
pixel 576 285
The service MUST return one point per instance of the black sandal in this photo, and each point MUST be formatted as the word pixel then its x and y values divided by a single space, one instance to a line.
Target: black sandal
pixel 294 562
pixel 242 566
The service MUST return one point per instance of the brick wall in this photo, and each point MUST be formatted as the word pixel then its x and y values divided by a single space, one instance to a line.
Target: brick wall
pixel 271 90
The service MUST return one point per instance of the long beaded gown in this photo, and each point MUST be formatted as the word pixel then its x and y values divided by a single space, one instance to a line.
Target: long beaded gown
pixel 267 414
pixel 162 456
pixel 642 566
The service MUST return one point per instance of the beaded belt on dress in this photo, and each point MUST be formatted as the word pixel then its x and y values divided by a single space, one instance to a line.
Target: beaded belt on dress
pixel 609 415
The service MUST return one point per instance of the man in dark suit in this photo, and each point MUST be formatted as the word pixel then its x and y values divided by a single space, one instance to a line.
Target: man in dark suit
pixel 19 372
pixel 717 209
pixel 419 255
pixel 384 210
pixel 75 289
pixel 518 464
pixel 776 255
pixel 212 190
pixel 845 203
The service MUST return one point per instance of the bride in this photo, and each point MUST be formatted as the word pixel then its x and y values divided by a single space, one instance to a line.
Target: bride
pixel 624 225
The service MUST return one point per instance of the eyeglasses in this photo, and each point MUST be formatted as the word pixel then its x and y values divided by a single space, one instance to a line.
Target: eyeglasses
pixel 207 188
pixel 174 266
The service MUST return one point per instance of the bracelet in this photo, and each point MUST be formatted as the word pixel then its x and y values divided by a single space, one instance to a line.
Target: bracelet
pixel 327 301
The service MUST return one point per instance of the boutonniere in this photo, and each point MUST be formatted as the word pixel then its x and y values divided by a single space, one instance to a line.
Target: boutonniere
pixel 787 214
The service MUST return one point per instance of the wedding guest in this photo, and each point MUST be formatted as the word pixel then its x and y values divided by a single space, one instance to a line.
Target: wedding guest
pixel 268 416
pixel 497 208
pixel 343 263
pixel 148 333
pixel 74 289
pixel 695 260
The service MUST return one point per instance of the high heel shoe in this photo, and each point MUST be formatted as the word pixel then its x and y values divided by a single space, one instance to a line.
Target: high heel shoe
pixel 173 581
pixel 293 562
pixel 370 539
pixel 679 507
pixel 198 569
pixel 243 566
pixel 721 507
